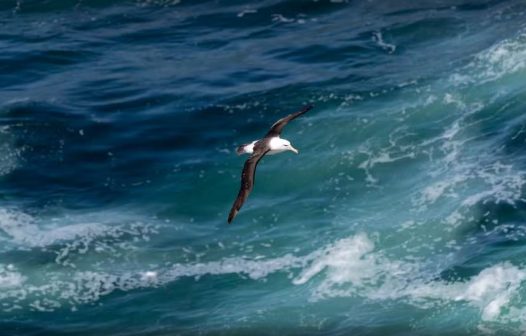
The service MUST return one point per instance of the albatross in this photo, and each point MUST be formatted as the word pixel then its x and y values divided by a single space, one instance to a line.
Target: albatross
pixel 271 144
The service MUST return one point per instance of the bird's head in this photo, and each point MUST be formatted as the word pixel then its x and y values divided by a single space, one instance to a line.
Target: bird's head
pixel 286 145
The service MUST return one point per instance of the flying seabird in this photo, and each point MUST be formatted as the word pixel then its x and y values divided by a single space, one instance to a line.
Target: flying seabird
pixel 270 144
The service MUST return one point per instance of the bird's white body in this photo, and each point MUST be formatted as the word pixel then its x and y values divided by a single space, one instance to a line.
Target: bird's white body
pixel 276 145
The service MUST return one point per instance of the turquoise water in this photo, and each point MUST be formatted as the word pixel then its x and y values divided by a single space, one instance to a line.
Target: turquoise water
pixel 403 214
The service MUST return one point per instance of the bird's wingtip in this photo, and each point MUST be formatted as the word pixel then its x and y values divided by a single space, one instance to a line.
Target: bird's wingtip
pixel 231 216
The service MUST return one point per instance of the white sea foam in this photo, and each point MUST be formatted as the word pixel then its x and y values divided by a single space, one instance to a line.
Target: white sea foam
pixel 281 18
pixel 10 154
pixel 346 260
pixel 490 290
pixel 504 183
pixel 493 288
pixel 10 277
pixel 378 38
pixel 504 58
pixel 494 182
pixel 463 173
pixel 246 11
pixel 458 166
pixel 27 232
pixel 81 287
pixel 163 3
pixel 254 268
pixel 433 192
pixel 351 267
pixel 388 154
pixel 69 237
pixel 347 267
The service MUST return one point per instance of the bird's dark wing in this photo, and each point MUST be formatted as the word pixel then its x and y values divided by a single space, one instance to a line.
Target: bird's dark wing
pixel 247 181
pixel 275 130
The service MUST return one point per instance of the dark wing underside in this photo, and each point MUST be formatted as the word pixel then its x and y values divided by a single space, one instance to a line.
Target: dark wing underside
pixel 247 182
pixel 275 130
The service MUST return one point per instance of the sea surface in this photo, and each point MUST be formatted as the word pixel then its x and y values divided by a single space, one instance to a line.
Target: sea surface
pixel 403 214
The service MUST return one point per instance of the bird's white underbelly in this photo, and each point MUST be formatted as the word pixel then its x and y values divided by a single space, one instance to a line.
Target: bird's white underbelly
pixel 275 151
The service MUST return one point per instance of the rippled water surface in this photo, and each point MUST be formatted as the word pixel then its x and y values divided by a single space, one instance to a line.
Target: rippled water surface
pixel 405 212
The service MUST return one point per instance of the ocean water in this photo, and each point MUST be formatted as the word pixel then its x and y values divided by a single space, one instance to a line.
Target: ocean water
pixel 405 212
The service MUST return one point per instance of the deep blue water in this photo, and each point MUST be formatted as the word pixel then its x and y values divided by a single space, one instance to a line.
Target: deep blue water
pixel 405 212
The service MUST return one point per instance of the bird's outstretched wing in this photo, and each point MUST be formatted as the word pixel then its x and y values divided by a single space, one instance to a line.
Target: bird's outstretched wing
pixel 247 182
pixel 275 130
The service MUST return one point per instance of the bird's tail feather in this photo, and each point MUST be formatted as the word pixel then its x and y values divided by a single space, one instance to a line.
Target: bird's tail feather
pixel 241 149
pixel 232 214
